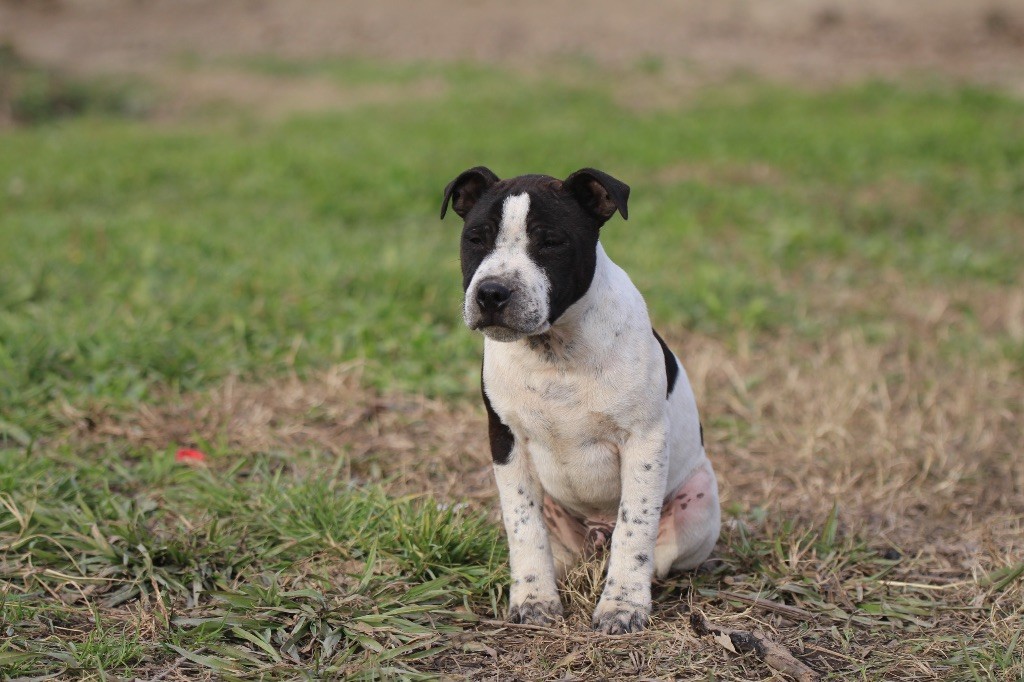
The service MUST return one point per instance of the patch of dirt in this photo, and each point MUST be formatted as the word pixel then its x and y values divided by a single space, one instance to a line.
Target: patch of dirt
pixel 799 41
pixel 415 443
pixel 916 447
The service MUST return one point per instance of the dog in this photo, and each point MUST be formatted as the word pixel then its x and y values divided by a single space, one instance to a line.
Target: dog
pixel 594 432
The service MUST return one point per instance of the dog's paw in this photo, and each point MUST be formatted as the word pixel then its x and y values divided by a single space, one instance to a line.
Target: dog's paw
pixel 618 618
pixel 535 612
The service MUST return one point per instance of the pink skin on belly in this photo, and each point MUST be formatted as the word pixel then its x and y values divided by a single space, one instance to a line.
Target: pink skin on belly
pixel 682 513
pixel 689 501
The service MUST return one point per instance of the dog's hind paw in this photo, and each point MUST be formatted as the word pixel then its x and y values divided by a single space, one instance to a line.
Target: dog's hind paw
pixel 619 618
pixel 535 612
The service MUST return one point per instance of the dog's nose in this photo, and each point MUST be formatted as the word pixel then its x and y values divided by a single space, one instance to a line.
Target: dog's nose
pixel 492 296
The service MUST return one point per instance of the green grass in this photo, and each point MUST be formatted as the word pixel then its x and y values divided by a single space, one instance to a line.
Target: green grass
pixel 140 261
pixel 133 255
pixel 260 559
pixel 256 567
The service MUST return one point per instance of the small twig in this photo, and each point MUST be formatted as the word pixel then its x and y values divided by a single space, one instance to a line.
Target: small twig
pixel 519 626
pixel 766 604
pixel 743 642
pixel 924 586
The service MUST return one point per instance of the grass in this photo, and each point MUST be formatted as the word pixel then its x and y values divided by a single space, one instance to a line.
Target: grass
pixel 30 94
pixel 136 255
pixel 257 565
pixel 840 271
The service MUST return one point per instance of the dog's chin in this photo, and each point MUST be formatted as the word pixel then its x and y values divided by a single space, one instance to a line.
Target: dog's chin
pixel 507 334
pixel 503 334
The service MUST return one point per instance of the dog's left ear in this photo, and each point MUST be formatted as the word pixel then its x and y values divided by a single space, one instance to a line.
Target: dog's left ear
pixel 465 190
pixel 599 193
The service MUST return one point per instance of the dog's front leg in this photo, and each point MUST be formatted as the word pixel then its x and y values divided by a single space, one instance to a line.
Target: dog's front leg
pixel 625 604
pixel 534 594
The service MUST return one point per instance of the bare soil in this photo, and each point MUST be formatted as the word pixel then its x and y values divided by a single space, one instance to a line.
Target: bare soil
pixel 800 41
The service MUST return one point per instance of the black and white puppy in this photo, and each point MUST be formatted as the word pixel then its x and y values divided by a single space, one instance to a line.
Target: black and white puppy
pixel 594 430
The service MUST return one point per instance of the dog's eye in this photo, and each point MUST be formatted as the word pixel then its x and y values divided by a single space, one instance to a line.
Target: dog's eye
pixel 475 238
pixel 553 242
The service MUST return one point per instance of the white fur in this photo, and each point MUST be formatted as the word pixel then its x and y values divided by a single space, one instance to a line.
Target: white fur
pixel 593 428
pixel 510 263
pixel 532 568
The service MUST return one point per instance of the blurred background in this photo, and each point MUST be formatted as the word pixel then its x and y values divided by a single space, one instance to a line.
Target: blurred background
pixel 218 232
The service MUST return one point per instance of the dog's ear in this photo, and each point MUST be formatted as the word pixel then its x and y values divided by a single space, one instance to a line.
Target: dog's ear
pixel 599 193
pixel 465 190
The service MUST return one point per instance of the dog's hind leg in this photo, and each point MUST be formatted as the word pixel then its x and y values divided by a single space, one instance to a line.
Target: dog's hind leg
pixel 567 535
pixel 690 522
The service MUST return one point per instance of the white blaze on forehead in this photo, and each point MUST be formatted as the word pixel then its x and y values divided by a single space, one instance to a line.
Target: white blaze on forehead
pixel 512 230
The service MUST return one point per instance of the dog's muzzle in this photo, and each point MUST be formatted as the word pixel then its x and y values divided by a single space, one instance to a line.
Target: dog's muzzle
pixel 501 314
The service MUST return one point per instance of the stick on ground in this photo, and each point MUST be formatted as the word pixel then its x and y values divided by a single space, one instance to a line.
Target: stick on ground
pixel 742 642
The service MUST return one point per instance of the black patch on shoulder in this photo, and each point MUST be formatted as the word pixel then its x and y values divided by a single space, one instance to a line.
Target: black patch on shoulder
pixel 671 367
pixel 500 435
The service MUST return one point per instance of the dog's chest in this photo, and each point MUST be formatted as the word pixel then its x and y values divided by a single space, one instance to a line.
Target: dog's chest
pixel 572 423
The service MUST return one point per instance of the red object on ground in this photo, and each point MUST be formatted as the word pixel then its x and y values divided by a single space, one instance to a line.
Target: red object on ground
pixel 189 456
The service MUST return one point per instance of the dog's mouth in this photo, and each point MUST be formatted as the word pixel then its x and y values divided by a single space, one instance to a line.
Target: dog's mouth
pixel 497 331
pixel 506 334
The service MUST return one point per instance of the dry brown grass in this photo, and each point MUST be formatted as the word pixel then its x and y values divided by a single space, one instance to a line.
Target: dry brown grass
pixel 906 456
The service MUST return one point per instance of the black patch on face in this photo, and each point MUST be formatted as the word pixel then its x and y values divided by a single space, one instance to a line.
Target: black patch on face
pixel 671 370
pixel 562 228
pixel 500 435
pixel 561 236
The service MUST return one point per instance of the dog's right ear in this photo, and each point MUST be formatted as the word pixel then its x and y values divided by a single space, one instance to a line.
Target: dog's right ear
pixel 465 190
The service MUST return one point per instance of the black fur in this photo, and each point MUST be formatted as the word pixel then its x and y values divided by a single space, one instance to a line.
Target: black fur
pixel 465 190
pixel 564 224
pixel 599 193
pixel 500 435
pixel 671 369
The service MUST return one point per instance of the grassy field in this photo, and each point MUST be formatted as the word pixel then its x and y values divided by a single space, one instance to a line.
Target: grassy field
pixel 840 271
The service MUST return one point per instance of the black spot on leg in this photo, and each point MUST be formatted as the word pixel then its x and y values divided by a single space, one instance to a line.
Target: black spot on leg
pixel 521 491
pixel 647 467
pixel 629 533
pixel 642 559
pixel 531 578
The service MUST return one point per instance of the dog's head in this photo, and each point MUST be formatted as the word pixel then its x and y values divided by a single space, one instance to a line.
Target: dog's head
pixel 529 245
